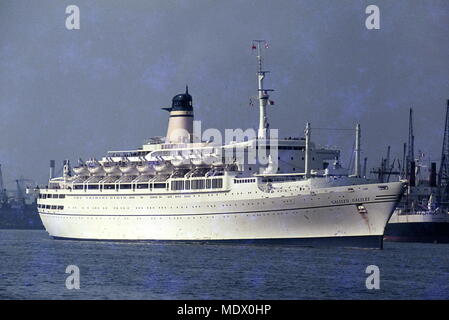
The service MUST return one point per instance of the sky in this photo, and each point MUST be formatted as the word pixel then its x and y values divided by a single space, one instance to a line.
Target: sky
pixel 66 94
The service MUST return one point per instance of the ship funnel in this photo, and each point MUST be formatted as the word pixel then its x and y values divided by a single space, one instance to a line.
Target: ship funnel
pixel 180 122
pixel 52 169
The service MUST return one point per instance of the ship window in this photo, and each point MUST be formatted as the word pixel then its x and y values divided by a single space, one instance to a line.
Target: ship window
pixel 208 184
pixel 109 186
pixel 160 185
pixel 61 196
pixel 197 184
pixel 125 186
pixel 142 186
pixel 217 183
pixel 78 187
pixel 53 207
pixel 187 186
pixel 177 185
pixel 383 187
pixel 92 187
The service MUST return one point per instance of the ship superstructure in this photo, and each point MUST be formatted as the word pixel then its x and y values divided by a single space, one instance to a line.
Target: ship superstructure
pixel 256 189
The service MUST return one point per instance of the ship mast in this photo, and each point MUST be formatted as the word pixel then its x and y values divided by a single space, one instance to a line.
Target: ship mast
pixel 262 92
pixel 357 152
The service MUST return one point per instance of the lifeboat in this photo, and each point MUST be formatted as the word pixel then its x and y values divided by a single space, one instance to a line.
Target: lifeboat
pixel 180 162
pixel 111 169
pixel 128 168
pixel 217 162
pixel 145 167
pixel 81 170
pixel 162 166
pixel 95 167
pixel 200 160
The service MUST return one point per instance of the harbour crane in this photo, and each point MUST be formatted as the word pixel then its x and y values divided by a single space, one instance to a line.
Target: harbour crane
pixel 443 174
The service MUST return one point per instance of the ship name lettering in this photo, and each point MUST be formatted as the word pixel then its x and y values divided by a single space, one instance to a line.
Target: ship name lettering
pixel 360 199
pixel 340 201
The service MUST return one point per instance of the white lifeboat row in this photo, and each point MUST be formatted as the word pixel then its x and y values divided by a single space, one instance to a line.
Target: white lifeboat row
pixel 97 168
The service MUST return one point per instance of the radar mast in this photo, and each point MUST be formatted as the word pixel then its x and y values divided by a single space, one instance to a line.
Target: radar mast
pixel 263 95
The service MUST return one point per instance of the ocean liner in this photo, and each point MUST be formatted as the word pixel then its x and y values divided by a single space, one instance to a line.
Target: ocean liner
pixel 182 187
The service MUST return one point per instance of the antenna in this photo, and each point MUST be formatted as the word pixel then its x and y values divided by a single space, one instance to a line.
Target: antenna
pixel 262 92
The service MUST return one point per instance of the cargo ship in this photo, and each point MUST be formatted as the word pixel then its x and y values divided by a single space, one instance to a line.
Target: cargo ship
pixel 422 215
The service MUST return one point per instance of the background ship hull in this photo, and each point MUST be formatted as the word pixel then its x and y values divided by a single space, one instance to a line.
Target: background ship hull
pixel 432 232
pixel 25 217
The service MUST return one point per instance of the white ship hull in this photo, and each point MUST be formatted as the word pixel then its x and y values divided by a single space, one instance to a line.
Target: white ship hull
pixel 329 214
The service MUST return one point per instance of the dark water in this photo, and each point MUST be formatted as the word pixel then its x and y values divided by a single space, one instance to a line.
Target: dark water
pixel 32 266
